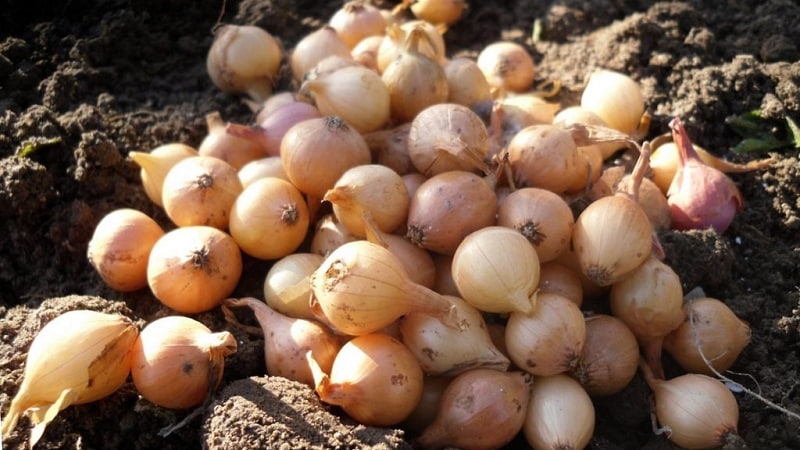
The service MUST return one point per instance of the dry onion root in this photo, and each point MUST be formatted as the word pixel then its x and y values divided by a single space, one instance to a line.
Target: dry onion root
pixel 69 365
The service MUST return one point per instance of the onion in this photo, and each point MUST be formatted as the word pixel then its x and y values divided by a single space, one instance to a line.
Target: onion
pixel 438 11
pixel 314 173
pixel 269 132
pixel 543 217
pixel 444 351
pixel 556 278
pixel 233 149
pixel 466 84
pixel 449 206
pixel 446 137
pixel 244 59
pixel 695 410
pixel 396 34
pixel 609 358
pixel 549 339
pixel 191 269
pixel 496 270
pixel 373 189
pixel 560 414
pixel 389 147
pixel 288 339
pixel 156 164
pixel 313 48
pixel 547 157
pixel 78 357
pixel 287 286
pixel 356 94
pixel 362 287
pixel 329 234
pixel 700 196
pixel 201 190
pixel 177 361
pixel 479 409
pixel 711 326
pixel 649 301
pixel 374 378
pixel 507 66
pixel 271 166
pixel 615 98
pixel 415 80
pixel 269 219
pixel 357 20
pixel 120 247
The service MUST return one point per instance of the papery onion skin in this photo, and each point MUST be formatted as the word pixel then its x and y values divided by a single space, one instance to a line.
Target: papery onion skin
pixel 68 364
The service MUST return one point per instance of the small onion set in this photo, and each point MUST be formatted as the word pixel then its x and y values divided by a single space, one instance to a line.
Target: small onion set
pixel 431 228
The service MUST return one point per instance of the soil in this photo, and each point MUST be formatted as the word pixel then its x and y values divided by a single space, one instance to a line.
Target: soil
pixel 85 82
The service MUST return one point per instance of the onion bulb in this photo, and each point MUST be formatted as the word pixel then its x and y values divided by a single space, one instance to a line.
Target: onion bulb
pixel 268 134
pixel 375 379
pixel 356 94
pixel 329 234
pixel 616 98
pixel 496 270
pixel 156 164
pixel 609 358
pixel 191 269
pixel 244 59
pixel 288 339
pixel 313 48
pixel 229 147
pixel 438 11
pixel 649 300
pixel 700 196
pixel 507 66
pixel 369 188
pixel 357 20
pixel 557 278
pixel 466 84
pixel 177 361
pixel 560 414
pixel 316 152
pixel 446 137
pixel 271 166
pixel 269 219
pixel 546 156
pixel 200 191
pixel 120 247
pixel 543 217
pixel 449 206
pixel 695 410
pixel 711 326
pixel 479 409
pixel 78 357
pixel 415 80
pixel 362 287
pixel 444 351
pixel 287 286
pixel 549 339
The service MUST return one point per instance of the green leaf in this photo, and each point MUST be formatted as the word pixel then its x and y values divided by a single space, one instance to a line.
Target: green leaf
pixel 29 148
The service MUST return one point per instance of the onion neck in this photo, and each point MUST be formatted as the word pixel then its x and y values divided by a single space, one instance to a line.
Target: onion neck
pixel 428 301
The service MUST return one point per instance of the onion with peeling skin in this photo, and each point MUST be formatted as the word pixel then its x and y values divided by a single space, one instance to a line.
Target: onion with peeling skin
pixel 447 137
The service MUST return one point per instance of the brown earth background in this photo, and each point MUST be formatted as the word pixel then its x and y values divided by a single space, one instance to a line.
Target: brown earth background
pixel 82 83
